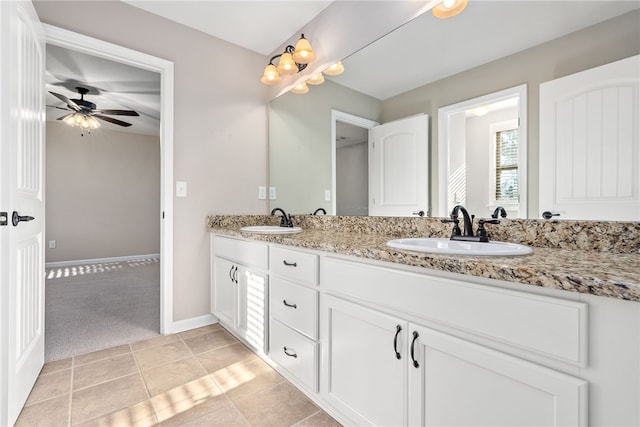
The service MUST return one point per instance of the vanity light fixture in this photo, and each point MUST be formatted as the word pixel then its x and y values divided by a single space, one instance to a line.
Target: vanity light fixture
pixel 449 8
pixel 335 70
pixel 316 79
pixel 291 61
pixel 300 88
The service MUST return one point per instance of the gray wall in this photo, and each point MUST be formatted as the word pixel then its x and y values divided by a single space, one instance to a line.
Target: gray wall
pixel 300 143
pixel 220 126
pixel 102 194
pixel 600 44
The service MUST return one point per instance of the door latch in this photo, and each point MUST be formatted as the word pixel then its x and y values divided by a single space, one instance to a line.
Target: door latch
pixel 4 218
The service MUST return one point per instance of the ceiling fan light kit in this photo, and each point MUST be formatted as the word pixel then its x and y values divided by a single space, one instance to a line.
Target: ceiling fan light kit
pixel 84 113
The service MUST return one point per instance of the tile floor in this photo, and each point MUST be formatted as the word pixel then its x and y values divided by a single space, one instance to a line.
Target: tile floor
pixel 202 377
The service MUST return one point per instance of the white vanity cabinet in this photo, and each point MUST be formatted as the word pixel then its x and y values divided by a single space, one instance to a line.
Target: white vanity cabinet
pixel 293 307
pixel 395 351
pixel 239 288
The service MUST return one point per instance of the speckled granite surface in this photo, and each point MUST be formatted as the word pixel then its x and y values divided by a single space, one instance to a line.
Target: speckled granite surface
pixel 599 258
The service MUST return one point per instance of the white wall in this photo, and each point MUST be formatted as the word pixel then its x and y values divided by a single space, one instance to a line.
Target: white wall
pixel 102 193
pixel 220 126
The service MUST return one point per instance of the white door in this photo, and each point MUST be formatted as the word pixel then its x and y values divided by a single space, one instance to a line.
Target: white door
pixel 589 144
pixel 399 176
pixel 21 193
pixel 365 364
pixel 458 383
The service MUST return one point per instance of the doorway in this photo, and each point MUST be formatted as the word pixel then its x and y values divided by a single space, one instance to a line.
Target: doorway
pixel 350 163
pixel 90 46
pixel 482 154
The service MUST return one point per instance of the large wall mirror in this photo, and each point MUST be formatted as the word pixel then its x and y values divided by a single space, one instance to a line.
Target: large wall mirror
pixel 430 64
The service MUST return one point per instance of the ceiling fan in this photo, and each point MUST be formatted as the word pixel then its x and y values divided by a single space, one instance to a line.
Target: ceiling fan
pixel 88 108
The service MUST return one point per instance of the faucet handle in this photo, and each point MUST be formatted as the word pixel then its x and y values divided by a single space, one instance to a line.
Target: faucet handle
pixel 482 232
pixel 456 228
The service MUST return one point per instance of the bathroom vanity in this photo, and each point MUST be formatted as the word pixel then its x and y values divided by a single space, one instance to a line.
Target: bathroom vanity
pixel 380 336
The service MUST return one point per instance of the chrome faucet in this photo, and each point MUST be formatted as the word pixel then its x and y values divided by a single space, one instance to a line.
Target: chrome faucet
pixel 286 219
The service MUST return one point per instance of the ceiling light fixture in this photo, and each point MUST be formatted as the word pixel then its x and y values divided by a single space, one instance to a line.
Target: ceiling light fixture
pixel 81 120
pixel 291 61
pixel 449 8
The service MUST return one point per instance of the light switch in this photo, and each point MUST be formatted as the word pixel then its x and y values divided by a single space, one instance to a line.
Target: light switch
pixel 327 195
pixel 262 193
pixel 181 189
pixel 272 193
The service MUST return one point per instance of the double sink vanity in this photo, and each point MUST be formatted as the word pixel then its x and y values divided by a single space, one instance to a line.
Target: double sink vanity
pixel 379 334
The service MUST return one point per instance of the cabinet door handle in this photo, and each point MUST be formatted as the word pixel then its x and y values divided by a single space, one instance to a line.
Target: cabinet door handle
pixel 284 301
pixel 286 351
pixel 413 344
pixel 235 274
pixel 395 342
pixel 231 273
pixel 290 264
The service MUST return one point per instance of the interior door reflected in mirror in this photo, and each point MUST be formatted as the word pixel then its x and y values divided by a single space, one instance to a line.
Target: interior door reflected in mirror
pixel 482 151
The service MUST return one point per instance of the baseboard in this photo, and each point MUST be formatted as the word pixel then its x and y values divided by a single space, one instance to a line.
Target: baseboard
pixel 193 323
pixel 99 260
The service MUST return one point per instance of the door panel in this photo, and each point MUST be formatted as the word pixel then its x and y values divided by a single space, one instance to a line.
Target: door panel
pixel 22 192
pixel 460 383
pixel 589 143
pixel 399 176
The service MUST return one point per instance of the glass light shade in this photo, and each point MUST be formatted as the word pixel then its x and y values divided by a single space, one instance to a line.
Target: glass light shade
pixel 69 119
pixel 303 53
pixel 270 75
pixel 287 65
pixel 83 121
pixel 449 8
pixel 316 79
pixel 334 70
pixel 300 88
pixel 92 123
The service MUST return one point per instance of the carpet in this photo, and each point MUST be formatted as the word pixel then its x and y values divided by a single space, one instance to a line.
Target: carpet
pixel 95 306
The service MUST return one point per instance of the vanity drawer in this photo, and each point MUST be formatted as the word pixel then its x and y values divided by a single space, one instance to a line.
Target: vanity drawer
pixel 295 353
pixel 295 306
pixel 248 253
pixel 298 266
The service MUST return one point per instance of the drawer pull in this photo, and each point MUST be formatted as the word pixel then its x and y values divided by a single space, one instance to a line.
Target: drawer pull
pixel 413 344
pixel 290 264
pixel 395 342
pixel 286 351
pixel 284 301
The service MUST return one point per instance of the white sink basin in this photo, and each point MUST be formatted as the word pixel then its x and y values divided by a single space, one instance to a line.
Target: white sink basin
pixel 458 247
pixel 271 229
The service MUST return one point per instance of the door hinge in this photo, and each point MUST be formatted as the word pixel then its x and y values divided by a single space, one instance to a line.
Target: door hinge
pixel 4 218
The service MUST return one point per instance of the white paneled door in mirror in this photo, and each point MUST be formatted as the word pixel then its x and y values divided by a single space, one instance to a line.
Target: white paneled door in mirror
pixel 400 172
pixel 589 143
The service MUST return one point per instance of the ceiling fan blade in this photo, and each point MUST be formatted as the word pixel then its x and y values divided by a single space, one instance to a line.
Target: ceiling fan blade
pixel 59 108
pixel 118 112
pixel 66 100
pixel 112 120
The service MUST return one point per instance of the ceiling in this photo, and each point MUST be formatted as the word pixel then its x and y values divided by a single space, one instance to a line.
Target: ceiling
pixel 424 50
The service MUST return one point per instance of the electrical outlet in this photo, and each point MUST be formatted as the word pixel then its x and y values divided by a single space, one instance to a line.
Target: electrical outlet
pixel 327 195
pixel 262 193
pixel 272 193
pixel 52 244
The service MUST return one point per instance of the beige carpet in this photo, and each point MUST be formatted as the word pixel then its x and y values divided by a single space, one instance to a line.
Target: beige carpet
pixel 95 306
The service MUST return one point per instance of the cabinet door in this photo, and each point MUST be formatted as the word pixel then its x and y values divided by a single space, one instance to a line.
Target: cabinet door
pixel 251 312
pixel 224 291
pixel 362 374
pixel 460 383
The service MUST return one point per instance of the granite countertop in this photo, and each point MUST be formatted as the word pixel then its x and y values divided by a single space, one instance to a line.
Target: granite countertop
pixel 608 273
